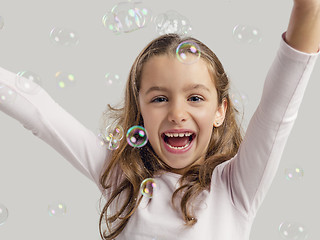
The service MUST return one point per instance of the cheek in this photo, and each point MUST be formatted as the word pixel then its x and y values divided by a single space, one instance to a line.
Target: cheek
pixel 205 123
pixel 150 123
pixel 205 117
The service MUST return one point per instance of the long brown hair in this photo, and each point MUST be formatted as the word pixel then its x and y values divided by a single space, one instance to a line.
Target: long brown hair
pixel 129 166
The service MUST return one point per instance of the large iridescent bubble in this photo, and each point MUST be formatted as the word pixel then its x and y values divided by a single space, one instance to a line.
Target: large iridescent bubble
pixel 188 52
pixel 137 136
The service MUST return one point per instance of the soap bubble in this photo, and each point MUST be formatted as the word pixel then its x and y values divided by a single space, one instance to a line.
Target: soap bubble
pixel 293 173
pixel 64 37
pixel 110 23
pixel 57 209
pixel 247 34
pixel 293 231
pixel 112 135
pixel 148 187
pixel 172 22
pixel 127 17
pixel 188 52
pixel 28 82
pixel 137 136
pixel 7 95
pixel 239 99
pixel 112 79
pixel 64 80
pixel 145 11
pixel 3 214
pixel 1 22
pixel 112 132
pixel 113 144
pixel 100 140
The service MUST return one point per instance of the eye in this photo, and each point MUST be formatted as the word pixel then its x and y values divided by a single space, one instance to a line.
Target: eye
pixel 159 99
pixel 196 99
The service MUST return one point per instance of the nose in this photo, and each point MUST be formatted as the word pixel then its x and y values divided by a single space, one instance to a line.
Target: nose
pixel 177 113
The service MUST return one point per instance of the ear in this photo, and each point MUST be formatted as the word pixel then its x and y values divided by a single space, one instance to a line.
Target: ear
pixel 220 113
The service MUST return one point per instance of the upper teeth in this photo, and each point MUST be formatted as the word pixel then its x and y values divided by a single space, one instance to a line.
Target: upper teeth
pixel 178 134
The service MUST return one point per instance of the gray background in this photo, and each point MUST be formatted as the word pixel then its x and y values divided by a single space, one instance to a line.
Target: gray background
pixel 32 174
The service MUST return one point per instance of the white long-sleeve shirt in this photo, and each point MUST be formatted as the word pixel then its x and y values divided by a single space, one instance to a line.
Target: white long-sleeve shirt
pixel 238 185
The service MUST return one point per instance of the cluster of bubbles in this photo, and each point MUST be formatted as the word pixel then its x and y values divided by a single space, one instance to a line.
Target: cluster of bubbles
pixel 111 136
pixel 1 22
pixel 247 34
pixel 54 209
pixel 127 17
pixel 293 231
pixel 64 37
pixel 172 22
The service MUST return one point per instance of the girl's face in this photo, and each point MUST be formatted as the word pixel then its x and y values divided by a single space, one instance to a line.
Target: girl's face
pixel 179 108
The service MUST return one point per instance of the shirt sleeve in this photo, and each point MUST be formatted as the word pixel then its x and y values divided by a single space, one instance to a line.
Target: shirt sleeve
pixel 248 176
pixel 39 113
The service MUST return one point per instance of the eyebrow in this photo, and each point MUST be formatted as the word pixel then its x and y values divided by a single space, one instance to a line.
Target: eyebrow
pixel 190 87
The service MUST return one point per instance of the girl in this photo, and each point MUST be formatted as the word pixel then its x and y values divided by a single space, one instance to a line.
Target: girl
pixel 210 181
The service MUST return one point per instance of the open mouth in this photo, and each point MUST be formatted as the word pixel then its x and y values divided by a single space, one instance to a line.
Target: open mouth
pixel 178 142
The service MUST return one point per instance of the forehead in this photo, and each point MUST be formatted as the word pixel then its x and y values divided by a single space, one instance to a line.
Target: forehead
pixel 167 71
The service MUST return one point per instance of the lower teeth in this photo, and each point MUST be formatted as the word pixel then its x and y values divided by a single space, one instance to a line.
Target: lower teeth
pixel 179 148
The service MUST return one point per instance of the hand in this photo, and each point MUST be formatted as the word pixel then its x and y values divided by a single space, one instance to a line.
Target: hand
pixel 307 4
pixel 303 32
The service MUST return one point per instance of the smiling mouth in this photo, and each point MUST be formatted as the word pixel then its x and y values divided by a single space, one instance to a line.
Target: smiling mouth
pixel 178 143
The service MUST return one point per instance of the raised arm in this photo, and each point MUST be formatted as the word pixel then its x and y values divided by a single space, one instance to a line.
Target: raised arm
pixel 40 114
pixel 303 31
pixel 248 176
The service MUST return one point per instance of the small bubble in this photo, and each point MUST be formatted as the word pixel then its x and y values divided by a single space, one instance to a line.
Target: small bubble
pixel 113 132
pixel 1 22
pixel 188 52
pixel 7 95
pixel 293 173
pixel 126 17
pixel 148 187
pixel 109 22
pixel 3 214
pixel 246 34
pixel 28 82
pixel 64 37
pixel 239 99
pixel 113 144
pixel 57 209
pixel 112 79
pixel 290 230
pixel 64 80
pixel 137 136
